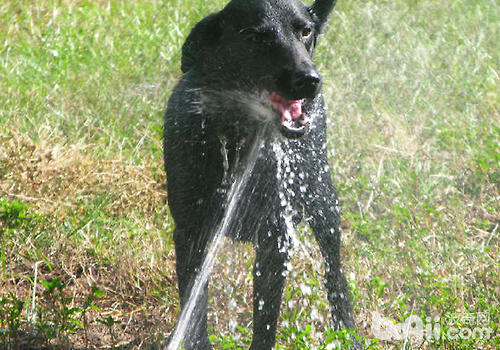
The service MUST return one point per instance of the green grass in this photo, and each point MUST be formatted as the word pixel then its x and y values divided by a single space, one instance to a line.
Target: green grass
pixel 413 94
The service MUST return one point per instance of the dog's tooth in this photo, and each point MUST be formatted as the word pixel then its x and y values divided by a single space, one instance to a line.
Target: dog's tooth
pixel 304 121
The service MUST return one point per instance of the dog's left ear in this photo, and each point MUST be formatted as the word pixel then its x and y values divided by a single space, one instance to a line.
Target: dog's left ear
pixel 202 38
pixel 321 11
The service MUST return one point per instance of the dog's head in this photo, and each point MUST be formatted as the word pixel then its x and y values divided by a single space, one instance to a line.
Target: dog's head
pixel 264 46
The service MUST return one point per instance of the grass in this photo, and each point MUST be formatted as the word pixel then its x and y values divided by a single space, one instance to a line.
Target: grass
pixel 413 94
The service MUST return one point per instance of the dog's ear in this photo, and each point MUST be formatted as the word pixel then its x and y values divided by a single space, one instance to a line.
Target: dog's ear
pixel 321 10
pixel 203 36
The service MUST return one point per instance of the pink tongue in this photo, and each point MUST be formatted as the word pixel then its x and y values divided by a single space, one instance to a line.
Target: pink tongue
pixel 296 109
pixel 290 109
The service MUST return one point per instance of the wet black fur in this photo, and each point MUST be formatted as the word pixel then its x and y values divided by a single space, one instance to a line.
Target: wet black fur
pixel 229 59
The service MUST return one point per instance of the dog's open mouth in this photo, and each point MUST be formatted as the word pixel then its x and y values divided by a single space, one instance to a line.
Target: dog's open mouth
pixel 293 120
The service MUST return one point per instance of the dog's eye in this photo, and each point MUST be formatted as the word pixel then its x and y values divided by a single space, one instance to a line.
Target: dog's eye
pixel 256 36
pixel 249 34
pixel 306 32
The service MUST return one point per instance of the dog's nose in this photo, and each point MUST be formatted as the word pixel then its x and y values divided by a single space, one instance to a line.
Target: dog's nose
pixel 306 83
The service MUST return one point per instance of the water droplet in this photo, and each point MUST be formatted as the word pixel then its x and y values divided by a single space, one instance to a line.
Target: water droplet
pixel 314 314
pixel 233 324
pixel 306 290
pixel 334 345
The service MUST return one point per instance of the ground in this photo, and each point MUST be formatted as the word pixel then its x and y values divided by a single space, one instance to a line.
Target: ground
pixel 412 89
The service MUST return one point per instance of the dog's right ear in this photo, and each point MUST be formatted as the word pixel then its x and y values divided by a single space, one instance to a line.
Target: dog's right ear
pixel 204 35
pixel 322 9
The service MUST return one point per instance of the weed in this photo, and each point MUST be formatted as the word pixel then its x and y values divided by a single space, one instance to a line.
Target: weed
pixel 10 318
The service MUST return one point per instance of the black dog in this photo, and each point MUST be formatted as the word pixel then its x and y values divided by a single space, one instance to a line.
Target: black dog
pixel 248 68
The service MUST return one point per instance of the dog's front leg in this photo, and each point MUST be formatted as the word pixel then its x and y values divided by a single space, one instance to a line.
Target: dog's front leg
pixel 325 223
pixel 268 283
pixel 190 246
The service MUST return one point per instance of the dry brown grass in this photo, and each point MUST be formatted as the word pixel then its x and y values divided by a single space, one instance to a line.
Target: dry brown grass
pixel 53 176
pixel 59 181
